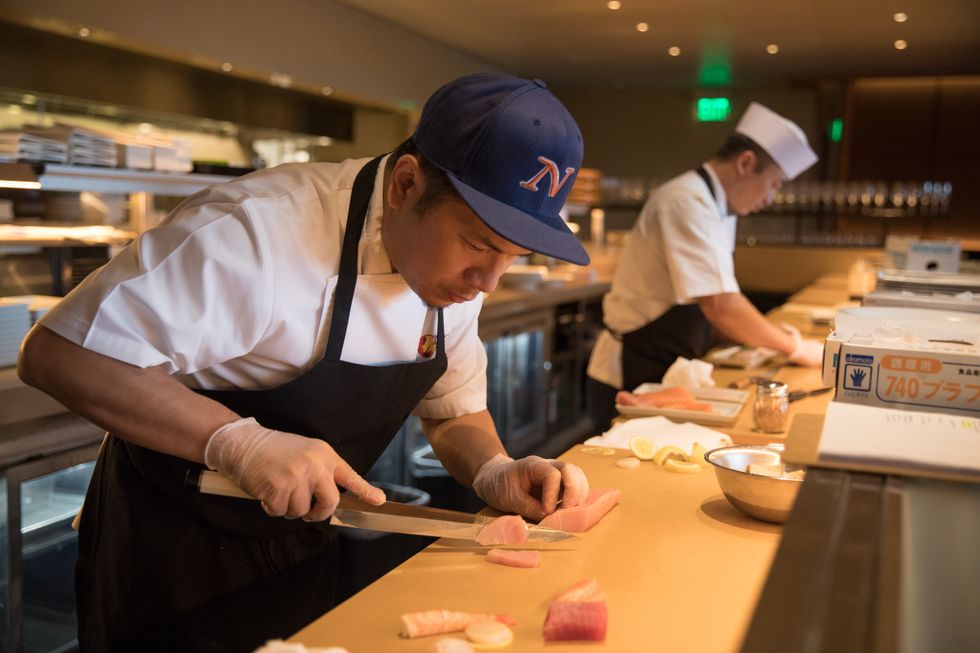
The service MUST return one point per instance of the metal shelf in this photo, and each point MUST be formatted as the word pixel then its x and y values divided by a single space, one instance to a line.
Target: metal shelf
pixel 120 180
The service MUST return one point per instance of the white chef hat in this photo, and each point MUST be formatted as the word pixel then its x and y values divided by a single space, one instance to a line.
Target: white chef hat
pixel 782 139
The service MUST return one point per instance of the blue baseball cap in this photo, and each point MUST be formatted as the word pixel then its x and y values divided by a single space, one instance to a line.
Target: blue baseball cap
pixel 512 151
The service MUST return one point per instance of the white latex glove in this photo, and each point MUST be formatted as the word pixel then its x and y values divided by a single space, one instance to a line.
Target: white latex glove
pixel 284 470
pixel 806 352
pixel 530 486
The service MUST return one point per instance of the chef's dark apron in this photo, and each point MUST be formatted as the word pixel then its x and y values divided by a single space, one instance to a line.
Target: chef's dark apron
pixel 681 331
pixel 164 568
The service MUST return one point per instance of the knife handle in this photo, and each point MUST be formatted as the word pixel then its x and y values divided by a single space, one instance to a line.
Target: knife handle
pixel 207 481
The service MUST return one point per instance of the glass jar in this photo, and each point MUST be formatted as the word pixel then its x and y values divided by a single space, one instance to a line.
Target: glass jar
pixel 771 408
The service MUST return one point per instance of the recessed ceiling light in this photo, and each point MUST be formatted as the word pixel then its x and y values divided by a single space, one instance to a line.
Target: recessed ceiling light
pixel 326 90
pixel 642 27
pixel 674 51
pixel 227 67
pixel 84 32
pixel 901 44
pixel 900 17
pixel 614 4
pixel 772 48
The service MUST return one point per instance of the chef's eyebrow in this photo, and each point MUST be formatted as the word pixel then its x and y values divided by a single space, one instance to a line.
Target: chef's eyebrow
pixel 483 240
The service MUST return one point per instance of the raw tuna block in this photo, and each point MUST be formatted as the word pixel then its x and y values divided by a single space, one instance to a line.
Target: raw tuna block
pixel 576 621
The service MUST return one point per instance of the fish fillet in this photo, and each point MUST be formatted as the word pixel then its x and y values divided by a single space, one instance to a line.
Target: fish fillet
pixel 585 590
pixel 509 529
pixel 526 559
pixel 583 517
pixel 435 622
pixel 674 398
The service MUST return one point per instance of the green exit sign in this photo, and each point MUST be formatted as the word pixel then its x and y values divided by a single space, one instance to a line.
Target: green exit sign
pixel 712 109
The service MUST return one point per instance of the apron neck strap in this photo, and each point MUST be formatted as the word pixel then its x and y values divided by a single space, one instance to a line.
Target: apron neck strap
pixel 707 180
pixel 357 211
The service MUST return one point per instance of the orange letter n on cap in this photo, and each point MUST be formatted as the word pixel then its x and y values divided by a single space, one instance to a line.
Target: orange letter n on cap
pixel 550 167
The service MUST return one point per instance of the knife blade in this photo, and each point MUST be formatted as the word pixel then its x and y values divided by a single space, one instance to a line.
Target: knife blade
pixel 390 517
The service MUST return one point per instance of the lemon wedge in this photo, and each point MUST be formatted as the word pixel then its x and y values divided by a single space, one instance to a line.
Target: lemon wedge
pixel 697 455
pixel 682 467
pixel 667 453
pixel 642 448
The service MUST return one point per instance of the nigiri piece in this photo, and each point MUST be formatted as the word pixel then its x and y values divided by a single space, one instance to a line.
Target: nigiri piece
pixel 509 529
pixel 435 622
pixel 527 559
pixel 581 518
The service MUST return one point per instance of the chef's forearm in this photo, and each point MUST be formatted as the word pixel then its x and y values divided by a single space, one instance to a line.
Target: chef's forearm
pixel 738 320
pixel 145 406
pixel 463 443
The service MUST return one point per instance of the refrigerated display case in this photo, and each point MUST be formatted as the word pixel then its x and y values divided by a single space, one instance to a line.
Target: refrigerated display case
pixel 38 549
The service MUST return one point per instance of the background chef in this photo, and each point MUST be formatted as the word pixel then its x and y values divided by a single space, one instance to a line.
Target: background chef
pixel 675 284
pixel 280 328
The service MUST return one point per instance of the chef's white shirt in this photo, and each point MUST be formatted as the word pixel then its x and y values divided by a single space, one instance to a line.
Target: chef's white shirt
pixel 681 248
pixel 235 290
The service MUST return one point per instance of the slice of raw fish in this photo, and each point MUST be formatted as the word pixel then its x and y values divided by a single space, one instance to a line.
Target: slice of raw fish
pixel 435 622
pixel 526 559
pixel 576 621
pixel 584 590
pixel 509 529
pixel 581 518
pixel 688 404
pixel 656 399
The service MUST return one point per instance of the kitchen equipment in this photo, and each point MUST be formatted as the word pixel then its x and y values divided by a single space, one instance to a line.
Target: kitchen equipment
pixel 391 517
pixel 770 410
pixel 746 381
pixel 767 498
pixel 796 395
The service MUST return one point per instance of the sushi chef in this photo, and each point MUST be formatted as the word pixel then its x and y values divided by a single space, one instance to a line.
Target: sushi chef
pixel 279 329
pixel 674 284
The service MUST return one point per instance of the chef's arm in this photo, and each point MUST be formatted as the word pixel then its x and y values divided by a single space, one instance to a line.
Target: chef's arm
pixel 147 406
pixel 463 443
pixel 150 408
pixel 734 316
pixel 470 449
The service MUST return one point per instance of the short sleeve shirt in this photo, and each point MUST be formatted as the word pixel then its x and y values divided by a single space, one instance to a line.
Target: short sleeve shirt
pixel 234 290
pixel 681 248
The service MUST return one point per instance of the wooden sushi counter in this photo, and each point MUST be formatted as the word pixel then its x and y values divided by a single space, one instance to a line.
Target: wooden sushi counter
pixel 681 567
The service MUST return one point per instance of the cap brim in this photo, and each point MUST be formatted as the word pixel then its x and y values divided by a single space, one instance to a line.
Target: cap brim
pixel 548 236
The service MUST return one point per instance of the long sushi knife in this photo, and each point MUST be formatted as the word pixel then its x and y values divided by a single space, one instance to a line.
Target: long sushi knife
pixel 390 517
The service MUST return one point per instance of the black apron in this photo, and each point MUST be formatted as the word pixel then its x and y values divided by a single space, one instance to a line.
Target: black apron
pixel 681 331
pixel 164 568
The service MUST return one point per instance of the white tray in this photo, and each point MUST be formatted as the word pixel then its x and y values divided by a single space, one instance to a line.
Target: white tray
pixel 725 406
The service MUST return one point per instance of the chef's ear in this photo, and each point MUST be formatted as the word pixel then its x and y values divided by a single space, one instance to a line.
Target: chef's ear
pixel 406 182
pixel 745 163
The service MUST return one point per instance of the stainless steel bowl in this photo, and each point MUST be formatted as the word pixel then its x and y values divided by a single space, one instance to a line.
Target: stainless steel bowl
pixel 762 497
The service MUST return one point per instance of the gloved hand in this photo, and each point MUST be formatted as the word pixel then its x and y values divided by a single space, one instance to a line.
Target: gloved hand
pixel 530 486
pixel 284 470
pixel 806 352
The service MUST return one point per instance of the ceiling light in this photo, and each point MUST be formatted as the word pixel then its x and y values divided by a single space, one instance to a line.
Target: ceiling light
pixel 674 51
pixel 901 44
pixel 614 4
pixel 227 67
pixel 642 27
pixel 84 32
pixel 326 90
pixel 900 17
pixel 772 48
pixel 281 79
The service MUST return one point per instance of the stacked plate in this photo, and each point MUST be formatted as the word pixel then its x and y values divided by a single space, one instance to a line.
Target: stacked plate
pixel 15 321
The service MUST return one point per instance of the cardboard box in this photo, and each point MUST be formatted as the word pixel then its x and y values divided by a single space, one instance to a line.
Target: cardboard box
pixel 940 377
